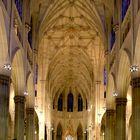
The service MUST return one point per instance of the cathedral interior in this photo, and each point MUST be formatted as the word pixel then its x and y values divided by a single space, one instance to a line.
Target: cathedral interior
pixel 69 70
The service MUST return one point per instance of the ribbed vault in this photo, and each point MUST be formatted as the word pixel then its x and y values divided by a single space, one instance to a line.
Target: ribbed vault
pixel 70 69
pixel 61 9
pixel 71 31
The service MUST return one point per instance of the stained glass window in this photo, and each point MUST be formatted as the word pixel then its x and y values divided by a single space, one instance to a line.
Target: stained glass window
pixel 104 76
pixel 80 103
pixel 112 36
pixel 70 103
pixel 30 35
pixel 19 7
pixel 125 5
pixel 60 103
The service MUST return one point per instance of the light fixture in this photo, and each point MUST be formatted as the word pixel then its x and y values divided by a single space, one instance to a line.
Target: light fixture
pixel 85 132
pixel 35 132
pixel 115 94
pixel 25 93
pixel 134 68
pixel 89 110
pixel 7 67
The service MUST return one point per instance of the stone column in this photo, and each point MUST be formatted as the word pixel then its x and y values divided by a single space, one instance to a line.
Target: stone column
pixel 4 105
pixel 30 131
pixel 135 108
pixel 120 133
pixel 109 131
pixel 54 134
pixel 19 117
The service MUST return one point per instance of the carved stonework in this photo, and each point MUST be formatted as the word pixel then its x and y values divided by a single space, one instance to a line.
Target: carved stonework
pixel 121 101
pixel 28 27
pixel 135 82
pixel 4 80
pixel 19 99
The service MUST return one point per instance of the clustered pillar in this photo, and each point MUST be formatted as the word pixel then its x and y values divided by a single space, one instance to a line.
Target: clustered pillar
pixel 135 108
pixel 30 131
pixel 109 132
pixel 120 133
pixel 4 105
pixel 19 117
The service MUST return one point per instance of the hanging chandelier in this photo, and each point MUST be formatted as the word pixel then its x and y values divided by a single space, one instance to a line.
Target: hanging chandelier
pixel 115 94
pixel 134 68
pixel 7 67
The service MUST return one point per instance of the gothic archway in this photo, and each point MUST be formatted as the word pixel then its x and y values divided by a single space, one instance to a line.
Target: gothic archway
pixel 79 132
pixel 59 132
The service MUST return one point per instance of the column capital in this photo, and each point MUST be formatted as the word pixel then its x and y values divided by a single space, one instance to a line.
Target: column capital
pixel 30 110
pixel 116 27
pixel 121 101
pixel 4 79
pixel 19 99
pixel 110 112
pixel 135 82
pixel 28 27
pixel 106 52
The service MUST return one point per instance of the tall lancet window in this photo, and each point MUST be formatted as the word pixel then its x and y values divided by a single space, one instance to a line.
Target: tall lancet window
pixel 60 103
pixel 80 103
pixel 125 5
pixel 70 103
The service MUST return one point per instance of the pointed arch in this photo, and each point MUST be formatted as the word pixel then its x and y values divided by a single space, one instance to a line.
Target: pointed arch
pixel 18 72
pixel 30 90
pixel 80 132
pixel 123 76
pixel 110 89
pixel 4 56
pixel 103 125
pixel 59 132
pixel 137 49
pixel 36 126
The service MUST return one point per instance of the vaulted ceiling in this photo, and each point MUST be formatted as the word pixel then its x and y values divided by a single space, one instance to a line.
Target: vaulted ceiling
pixel 72 33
